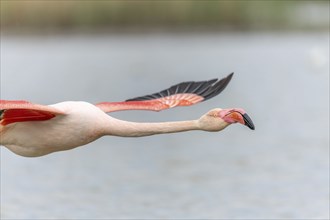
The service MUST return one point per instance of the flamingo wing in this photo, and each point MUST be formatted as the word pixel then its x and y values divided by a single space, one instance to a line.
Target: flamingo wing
pixel 182 94
pixel 19 111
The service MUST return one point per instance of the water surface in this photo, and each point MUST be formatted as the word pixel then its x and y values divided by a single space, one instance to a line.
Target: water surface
pixel 280 170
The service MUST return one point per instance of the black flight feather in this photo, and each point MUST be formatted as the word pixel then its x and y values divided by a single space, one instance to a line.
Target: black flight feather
pixel 206 89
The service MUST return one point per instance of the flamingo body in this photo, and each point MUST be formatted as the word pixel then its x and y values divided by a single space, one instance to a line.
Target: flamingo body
pixel 32 130
pixel 81 124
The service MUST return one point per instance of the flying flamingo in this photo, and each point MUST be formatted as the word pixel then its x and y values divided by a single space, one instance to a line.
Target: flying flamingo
pixel 33 130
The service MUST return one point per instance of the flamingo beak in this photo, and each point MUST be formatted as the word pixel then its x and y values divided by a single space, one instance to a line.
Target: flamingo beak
pixel 247 120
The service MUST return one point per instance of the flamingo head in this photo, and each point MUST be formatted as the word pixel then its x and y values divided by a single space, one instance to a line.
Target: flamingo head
pixel 218 119
pixel 234 115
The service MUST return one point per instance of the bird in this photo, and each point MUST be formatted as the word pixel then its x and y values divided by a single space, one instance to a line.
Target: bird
pixel 33 130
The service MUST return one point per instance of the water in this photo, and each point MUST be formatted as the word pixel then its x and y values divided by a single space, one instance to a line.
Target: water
pixel 280 170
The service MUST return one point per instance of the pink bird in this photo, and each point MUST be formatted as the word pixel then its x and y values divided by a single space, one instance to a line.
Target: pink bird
pixel 33 130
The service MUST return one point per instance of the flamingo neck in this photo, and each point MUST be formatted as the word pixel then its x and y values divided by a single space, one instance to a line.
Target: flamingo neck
pixel 136 129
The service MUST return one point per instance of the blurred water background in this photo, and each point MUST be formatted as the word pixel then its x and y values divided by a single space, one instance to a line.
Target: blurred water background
pixel 113 50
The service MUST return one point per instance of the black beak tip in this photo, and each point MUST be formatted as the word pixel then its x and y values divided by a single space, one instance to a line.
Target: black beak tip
pixel 248 121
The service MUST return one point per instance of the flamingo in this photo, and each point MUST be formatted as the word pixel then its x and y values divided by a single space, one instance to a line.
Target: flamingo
pixel 32 130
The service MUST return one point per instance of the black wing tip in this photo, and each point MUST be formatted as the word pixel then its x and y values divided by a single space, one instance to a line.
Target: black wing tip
pixel 206 89
pixel 217 87
pixel 228 78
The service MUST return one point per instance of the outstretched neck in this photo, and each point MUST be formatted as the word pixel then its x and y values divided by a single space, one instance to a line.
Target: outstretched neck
pixel 136 129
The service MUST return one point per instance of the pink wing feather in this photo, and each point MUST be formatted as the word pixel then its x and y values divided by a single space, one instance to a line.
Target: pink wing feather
pixel 19 111
pixel 182 94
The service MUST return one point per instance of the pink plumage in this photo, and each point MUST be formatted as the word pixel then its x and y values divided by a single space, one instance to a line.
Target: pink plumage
pixel 30 129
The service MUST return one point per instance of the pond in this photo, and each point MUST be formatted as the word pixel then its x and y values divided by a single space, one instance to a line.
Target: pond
pixel 280 170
